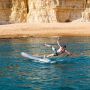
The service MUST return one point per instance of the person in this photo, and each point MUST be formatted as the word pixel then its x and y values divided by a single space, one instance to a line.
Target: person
pixel 62 50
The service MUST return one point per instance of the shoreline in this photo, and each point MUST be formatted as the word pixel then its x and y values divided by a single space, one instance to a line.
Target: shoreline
pixel 21 30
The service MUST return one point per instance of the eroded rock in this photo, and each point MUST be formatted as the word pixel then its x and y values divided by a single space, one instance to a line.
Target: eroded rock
pixel 44 11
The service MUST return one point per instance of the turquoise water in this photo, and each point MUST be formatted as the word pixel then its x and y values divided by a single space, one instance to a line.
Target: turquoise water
pixel 68 73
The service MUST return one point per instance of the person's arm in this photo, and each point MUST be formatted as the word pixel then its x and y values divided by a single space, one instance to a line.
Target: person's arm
pixel 47 45
pixel 68 53
pixel 58 43
pixel 53 48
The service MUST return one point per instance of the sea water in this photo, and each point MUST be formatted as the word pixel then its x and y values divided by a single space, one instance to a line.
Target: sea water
pixel 68 73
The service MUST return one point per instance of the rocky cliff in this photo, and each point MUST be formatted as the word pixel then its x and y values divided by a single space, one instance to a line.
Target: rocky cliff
pixel 43 11
pixel 86 12
pixel 5 11
pixel 19 11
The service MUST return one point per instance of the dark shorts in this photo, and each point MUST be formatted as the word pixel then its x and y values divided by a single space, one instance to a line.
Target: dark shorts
pixel 56 54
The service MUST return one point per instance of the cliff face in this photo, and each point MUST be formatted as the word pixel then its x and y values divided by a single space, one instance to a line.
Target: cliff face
pixel 5 11
pixel 69 10
pixel 86 12
pixel 41 11
pixel 19 11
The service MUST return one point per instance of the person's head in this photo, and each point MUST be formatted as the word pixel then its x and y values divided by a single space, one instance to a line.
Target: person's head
pixel 64 46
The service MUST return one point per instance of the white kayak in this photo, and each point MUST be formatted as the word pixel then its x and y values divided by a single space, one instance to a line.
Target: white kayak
pixel 44 59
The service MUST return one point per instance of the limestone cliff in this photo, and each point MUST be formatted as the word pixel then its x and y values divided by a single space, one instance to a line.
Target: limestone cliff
pixel 42 11
pixel 5 11
pixel 86 13
pixel 19 11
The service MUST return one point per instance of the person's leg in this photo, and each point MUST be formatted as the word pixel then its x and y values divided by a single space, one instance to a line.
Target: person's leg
pixel 50 55
pixel 54 50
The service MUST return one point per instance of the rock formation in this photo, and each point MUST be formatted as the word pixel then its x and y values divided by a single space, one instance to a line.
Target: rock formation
pixel 5 11
pixel 86 13
pixel 43 11
pixel 19 11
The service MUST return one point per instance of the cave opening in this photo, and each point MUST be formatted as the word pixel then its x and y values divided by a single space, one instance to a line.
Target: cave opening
pixel 68 20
